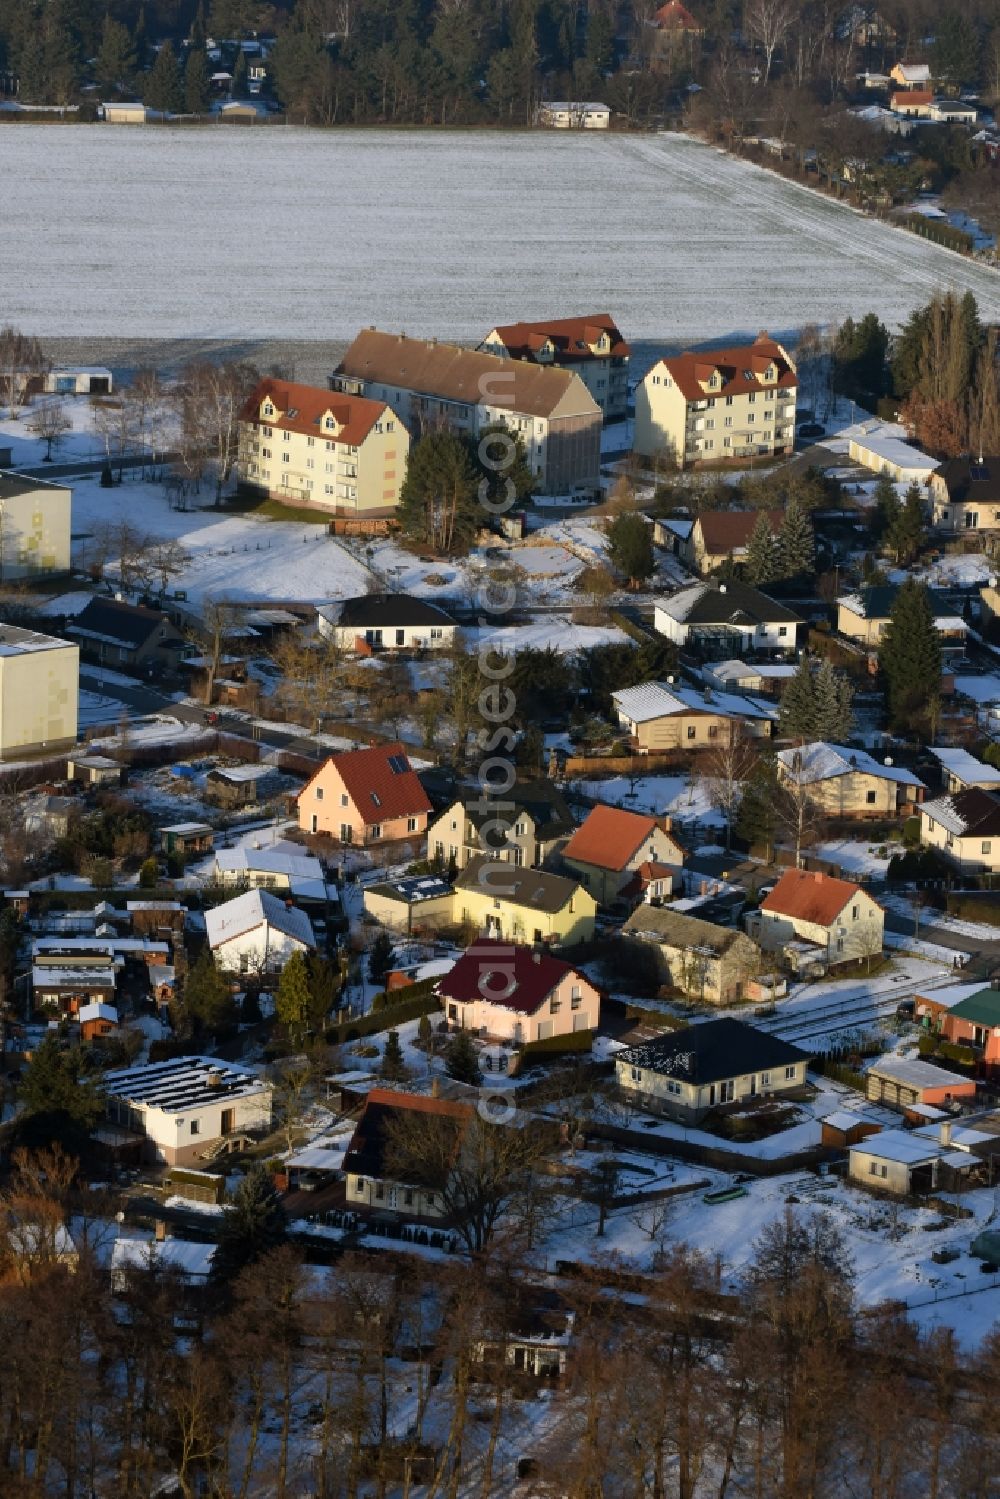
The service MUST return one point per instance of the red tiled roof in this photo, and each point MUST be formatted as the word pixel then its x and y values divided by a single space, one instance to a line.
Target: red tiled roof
pixel 378 791
pixel 609 836
pixel 356 415
pixel 675 17
pixel 725 530
pixel 524 339
pixel 419 1103
pixel 734 365
pixel 808 896
pixel 502 973
pixel 904 97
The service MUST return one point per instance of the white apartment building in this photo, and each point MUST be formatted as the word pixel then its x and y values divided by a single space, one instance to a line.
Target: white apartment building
pixel 305 446
pixel 34 527
pixel 719 405
pixel 432 384
pixel 39 687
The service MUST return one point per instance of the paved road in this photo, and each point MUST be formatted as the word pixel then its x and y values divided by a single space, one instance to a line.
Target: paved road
pixel 91 466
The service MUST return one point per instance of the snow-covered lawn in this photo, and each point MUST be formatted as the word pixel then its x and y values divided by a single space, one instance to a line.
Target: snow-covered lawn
pixel 80 442
pixel 798 257
pixel 855 857
pixel 554 632
pixel 685 800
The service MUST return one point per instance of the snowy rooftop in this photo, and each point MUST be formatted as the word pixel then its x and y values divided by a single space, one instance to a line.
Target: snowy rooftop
pixel 655 700
pixel 246 912
pixel 901 1146
pixel 823 762
pixel 268 861
pixel 192 1260
pixel 98 1011
pixel 915 1073
pixel 893 450
pixel 967 768
pixel 17 642
pixel 182 1083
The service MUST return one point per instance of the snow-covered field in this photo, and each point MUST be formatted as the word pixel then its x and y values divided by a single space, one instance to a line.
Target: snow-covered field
pixel 124 232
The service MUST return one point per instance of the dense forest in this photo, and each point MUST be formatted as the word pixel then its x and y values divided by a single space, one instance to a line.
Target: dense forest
pixel 482 61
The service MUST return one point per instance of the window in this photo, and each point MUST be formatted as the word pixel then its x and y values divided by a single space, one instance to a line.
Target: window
pixel 344 799
pixel 751 398
pixel 555 1005
pixel 765 1079
pixel 319 793
pixel 673 1086
pixel 408 1198
pixel 359 1185
pixel 310 442
pixel 453 1012
pixel 854 913
pixel 729 400
pixel 713 731
pixel 430 1199
pixel 873 1168
pixel 195 1126
pixel 691 731
pixel 782 631
pixel 728 422
pixel 285 458
pixel 379 1191
pixel 376 830
pixel 636 1074
pixel 987 846
pixel 439 850
pixel 265 452
pixel 727 1092
pixel 870 798
pixel 411 824
pixel 268 431
pixel 789 1073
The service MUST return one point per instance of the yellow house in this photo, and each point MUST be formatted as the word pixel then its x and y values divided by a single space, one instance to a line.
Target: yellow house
pixel 39 686
pixel 308 446
pixel 523 905
pixel 34 527
pixel 718 405
pixel 847 782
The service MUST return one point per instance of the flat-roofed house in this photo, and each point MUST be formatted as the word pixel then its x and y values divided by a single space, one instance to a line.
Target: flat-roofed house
pixel 850 783
pixel 975 1022
pixel 257 933
pixel 718 405
pixel 574 114
pixel 592 347
pixel 710 963
pixel 431 384
pixel 965 827
pixel 908 1163
pixel 39 682
pixel 271 868
pixel 726 619
pixel 308 446
pixel 961 770
pixel 612 844
pixel 186 1107
pixel 886 454
pixel 365 796
pixel 36 527
pixel 834 920
pixel 665 716
pixel 901 1082
pixel 965 494
pixel 413 903
pixel 687 1073
pixel 523 905
pixel 509 992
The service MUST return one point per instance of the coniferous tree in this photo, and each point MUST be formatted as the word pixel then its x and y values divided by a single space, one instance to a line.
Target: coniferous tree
pixel 393 1067
pixel 796 544
pixel 115 63
pixel 630 547
pixel 207 996
pixel 292 1001
pixel 380 957
pixel 253 1225
pixel 906 535
pixel 763 559
pixel 197 91
pixel 504 473
pixel 910 659
pixel 438 504
pixel 885 509
pixel 461 1060
pixel 239 89
pixel 164 87
pixel 756 819
pixel 833 705
pixel 798 704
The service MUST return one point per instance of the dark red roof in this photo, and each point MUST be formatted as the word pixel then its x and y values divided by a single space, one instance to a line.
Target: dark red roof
pixel 380 781
pixel 572 337
pixel 502 973
pixel 726 530
pixel 302 408
pixel 740 367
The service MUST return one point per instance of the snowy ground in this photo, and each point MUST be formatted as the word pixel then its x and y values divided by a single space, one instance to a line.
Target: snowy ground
pixel 686 800
pixel 798 256
pixel 81 441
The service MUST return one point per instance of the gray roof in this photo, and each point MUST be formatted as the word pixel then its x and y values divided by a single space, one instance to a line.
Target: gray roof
pixel 674 929
pixel 725 603
pixel 712 1051
pixel 535 889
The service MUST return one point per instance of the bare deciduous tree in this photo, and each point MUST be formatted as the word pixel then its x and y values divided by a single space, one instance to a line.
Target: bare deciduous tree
pixel 49 422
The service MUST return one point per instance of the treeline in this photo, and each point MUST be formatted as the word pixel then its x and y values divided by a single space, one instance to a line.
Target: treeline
pixel 471 61
pixel 385 1374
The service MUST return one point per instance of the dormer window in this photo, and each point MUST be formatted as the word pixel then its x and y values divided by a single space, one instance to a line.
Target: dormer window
pixel 267 409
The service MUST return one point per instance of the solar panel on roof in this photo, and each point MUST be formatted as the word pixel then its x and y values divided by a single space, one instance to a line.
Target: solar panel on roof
pixel 398 765
pixel 979 472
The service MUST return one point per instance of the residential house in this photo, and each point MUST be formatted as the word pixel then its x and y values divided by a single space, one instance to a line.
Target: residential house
pixel 685 1074
pixel 574 114
pixel 414 903
pixel 525 827
pixel 185 1109
pixel 911 1163
pixel 341 453
pixel 386 622
pixel 672 22
pixel 911 75
pixel 591 347
pixel 751 677
pixel 365 796
pixel 430 383
pixel 888 455
pixel 48 815
pixel 965 494
pixel 960 771
pixel 719 405
pixel 185 1261
pixel 512 993
pixel 36 527
pixel 373 1185
pixel 98 1020
pixel 975 1022
pixel 114 633
pixel 965 827
pixel 611 845
pixel 660 717
pixel 187 838
pixel 912 104
pixel 864 616
pixel 287 867
pixel 39 679
pixel 712 964
pixel 69 987
pixel 850 783
pixel 124 112
pixel 257 933
pixel 901 1082
pixel 726 619
pixel 523 905
pixel 815 918
pixel 721 536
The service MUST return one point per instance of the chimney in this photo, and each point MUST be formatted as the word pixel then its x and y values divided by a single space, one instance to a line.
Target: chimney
pixel 945 1135
pixel 160 1230
pixel 817 876
pixel 667 822
pixel 887 760
pixel 435 1087
pixel 722 587
pixel 214 1077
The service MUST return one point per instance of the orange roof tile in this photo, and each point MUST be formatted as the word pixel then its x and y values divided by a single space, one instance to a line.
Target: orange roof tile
pixel 302 408
pixel 805 895
pixel 609 836
pixel 675 17
pixel 738 367
pixel 380 781
pixel 520 339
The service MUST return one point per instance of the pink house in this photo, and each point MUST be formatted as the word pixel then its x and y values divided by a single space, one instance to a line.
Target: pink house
pixel 515 993
pixel 365 796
